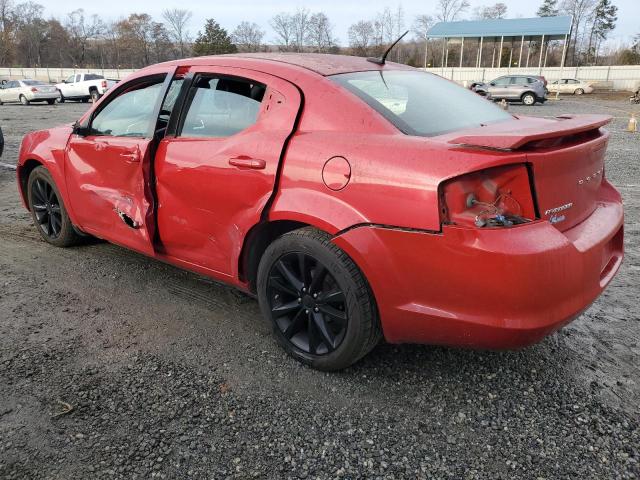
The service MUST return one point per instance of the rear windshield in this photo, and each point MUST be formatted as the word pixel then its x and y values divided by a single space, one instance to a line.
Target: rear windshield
pixel 92 76
pixel 420 103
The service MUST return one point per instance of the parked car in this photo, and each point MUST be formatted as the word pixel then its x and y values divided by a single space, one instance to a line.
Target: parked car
pixel 527 89
pixel 570 85
pixel 84 87
pixel 355 200
pixel 27 91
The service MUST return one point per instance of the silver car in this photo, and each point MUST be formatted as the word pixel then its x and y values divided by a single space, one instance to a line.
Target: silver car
pixel 527 89
pixel 27 91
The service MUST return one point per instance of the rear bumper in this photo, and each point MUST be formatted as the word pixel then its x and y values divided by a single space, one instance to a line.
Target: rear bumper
pixel 493 288
pixel 34 97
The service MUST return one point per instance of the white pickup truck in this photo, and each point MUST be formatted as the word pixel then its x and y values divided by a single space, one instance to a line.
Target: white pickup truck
pixel 84 86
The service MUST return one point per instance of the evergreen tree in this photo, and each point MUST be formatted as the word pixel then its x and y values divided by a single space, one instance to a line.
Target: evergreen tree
pixel 213 41
pixel 549 8
pixel 605 15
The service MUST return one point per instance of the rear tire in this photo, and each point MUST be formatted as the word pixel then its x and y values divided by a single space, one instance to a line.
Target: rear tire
pixel 52 101
pixel 48 211
pixel 579 91
pixel 85 100
pixel 23 100
pixel 95 96
pixel 318 301
pixel 529 99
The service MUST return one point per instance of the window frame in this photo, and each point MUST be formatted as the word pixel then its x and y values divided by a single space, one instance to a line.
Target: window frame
pixel 86 126
pixel 188 94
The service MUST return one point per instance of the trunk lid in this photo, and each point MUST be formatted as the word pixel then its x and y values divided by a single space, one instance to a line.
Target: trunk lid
pixel 566 155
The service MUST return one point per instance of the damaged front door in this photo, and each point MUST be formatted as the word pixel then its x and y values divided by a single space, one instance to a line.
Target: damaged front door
pixel 109 169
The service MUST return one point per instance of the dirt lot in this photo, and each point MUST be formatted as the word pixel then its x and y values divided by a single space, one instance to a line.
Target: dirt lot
pixel 170 375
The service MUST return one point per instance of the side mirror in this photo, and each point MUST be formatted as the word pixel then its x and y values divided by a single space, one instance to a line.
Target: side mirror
pixel 493 84
pixel 81 130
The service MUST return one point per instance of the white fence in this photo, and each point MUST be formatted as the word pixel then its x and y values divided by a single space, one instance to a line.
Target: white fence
pixel 59 74
pixel 614 78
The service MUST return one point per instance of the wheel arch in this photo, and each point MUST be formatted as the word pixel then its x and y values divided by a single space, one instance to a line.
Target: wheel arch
pixel 256 242
pixel 24 171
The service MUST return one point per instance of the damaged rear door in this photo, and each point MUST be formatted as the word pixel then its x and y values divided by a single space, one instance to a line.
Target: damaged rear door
pixel 109 165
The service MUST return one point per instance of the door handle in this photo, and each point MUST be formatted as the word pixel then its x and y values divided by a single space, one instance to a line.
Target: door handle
pixel 248 162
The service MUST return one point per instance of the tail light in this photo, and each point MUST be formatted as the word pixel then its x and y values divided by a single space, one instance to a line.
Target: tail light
pixel 494 197
pixel 34 89
pixel 104 84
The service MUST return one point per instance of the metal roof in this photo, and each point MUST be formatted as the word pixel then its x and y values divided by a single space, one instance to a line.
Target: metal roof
pixel 511 27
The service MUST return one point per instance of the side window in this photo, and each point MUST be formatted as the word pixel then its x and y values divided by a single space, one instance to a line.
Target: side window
pixel 78 78
pixel 70 79
pixel 573 82
pixel 221 107
pixel 130 114
pixel 12 84
pixel 502 81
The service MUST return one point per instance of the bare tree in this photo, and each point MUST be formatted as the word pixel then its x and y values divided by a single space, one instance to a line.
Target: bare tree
pixel 361 37
pixel 31 32
pixel 282 25
pixel 81 32
pixel 450 10
pixel 487 12
pixel 580 10
pixel 248 37
pixel 7 32
pixel 300 23
pixel 320 33
pixel 421 26
pixel 177 20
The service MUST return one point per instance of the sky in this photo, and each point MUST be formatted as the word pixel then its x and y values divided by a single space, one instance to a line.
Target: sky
pixel 342 13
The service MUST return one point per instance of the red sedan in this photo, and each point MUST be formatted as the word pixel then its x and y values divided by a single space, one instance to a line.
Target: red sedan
pixel 355 200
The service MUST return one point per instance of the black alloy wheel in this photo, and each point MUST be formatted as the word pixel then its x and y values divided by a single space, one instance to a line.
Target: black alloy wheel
pixel 317 300
pixel 46 208
pixel 307 304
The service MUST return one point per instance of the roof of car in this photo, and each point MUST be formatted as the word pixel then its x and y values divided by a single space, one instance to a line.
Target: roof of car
pixel 323 64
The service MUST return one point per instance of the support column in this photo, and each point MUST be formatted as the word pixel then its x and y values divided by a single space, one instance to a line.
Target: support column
pixel 426 46
pixel 520 57
pixel 546 53
pixel 528 52
pixel 511 55
pixel 446 56
pixel 442 60
pixel 564 52
pixel 480 53
pixel 500 52
pixel 541 52
pixel 461 52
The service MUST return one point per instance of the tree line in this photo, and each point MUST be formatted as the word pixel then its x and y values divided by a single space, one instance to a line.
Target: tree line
pixel 78 39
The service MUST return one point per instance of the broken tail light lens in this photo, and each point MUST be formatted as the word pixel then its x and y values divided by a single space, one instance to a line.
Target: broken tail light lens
pixel 494 197
pixel 104 84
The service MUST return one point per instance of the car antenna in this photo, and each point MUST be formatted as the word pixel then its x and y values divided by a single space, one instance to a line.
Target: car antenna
pixel 382 59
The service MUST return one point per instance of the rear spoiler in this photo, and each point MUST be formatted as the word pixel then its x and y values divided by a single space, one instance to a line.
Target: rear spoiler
pixel 514 135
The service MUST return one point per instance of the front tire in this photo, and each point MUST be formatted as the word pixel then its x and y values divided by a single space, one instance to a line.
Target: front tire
pixel 320 305
pixel 48 211
pixel 23 100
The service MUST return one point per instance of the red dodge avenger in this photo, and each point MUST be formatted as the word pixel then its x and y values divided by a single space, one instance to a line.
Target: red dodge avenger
pixel 356 199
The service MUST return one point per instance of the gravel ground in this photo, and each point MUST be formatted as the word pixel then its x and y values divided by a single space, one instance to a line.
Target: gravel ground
pixel 170 375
